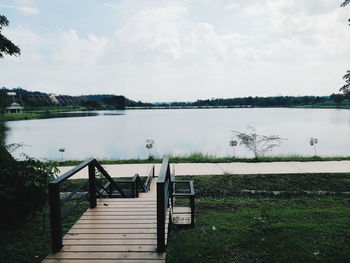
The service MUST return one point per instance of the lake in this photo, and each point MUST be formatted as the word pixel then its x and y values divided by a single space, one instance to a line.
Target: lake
pixel 122 134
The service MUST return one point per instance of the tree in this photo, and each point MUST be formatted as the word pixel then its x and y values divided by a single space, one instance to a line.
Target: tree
pixel 345 3
pixel 3 100
pixel 256 143
pixel 233 144
pixel 117 102
pixel 6 46
pixel 337 98
pixel 346 88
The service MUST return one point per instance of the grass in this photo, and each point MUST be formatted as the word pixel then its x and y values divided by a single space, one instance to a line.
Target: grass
pixel 205 158
pixel 306 229
pixel 232 228
pixel 36 113
pixel 229 185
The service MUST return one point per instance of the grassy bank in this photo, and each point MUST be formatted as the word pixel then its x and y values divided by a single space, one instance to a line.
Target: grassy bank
pixel 202 158
pixel 36 113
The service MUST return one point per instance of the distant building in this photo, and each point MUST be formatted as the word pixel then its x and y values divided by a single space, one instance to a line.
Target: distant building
pixel 14 108
pixel 53 98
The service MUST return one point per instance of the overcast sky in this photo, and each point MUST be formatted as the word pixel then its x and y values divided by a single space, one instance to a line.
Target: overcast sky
pixel 156 50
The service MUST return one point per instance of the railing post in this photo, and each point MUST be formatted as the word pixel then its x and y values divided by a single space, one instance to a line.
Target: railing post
pixel 133 189
pixel 192 210
pixel 160 218
pixel 92 185
pixel 55 217
pixel 137 187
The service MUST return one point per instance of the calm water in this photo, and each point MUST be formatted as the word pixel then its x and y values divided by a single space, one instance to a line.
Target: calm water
pixel 122 134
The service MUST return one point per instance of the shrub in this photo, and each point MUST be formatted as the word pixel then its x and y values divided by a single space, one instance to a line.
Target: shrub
pixel 23 188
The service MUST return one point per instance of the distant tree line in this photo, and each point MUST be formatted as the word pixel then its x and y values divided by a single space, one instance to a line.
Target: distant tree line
pixel 277 101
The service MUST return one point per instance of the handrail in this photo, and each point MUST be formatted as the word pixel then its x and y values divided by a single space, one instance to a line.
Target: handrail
pixel 56 202
pixel 164 194
pixel 149 179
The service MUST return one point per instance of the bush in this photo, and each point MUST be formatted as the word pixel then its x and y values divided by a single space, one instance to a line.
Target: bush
pixel 23 188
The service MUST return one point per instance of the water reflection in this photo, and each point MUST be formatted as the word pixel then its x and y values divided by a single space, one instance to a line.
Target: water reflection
pixel 122 134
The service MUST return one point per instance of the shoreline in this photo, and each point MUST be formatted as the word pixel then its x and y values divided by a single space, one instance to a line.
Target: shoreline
pixel 199 158
pixel 48 113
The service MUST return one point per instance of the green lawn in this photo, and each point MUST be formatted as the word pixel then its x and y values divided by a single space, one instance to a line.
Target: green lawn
pixel 305 229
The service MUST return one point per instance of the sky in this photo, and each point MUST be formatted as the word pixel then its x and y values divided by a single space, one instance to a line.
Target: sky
pixel 181 50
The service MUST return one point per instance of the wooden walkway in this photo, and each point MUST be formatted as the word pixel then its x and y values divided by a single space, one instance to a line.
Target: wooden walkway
pixel 117 230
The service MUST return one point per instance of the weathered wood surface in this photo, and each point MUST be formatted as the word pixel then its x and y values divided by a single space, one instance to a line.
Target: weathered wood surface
pixel 117 230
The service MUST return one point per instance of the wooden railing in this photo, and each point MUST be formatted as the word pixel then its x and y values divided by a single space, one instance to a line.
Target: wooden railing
pixel 164 195
pixel 190 194
pixel 55 201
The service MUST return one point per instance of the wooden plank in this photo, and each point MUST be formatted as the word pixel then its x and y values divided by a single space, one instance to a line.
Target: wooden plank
pixel 116 217
pixel 116 221
pixel 115 213
pixel 110 236
pixel 130 205
pixel 130 213
pixel 107 255
pixel 110 248
pixel 181 210
pixel 79 242
pixel 114 226
pixel 112 231
pixel 138 200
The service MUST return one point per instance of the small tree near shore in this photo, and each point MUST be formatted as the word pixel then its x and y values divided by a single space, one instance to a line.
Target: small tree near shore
pixel 149 146
pixel 258 144
pixel 313 142
pixel 233 144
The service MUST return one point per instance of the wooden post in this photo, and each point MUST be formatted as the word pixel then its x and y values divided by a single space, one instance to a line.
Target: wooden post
pixel 92 185
pixel 55 217
pixel 192 210
pixel 160 218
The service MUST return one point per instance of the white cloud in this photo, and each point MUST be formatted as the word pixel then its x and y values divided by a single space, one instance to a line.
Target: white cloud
pixel 27 10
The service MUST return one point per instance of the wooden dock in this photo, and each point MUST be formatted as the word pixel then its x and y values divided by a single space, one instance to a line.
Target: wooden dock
pixel 116 230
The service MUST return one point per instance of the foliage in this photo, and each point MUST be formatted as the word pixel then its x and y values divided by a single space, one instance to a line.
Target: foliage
pixel 257 144
pixel 117 102
pixel 23 188
pixel 338 98
pixel 346 88
pixel 29 242
pixel 233 144
pixel 6 46
pixel 3 101
pixel 345 3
